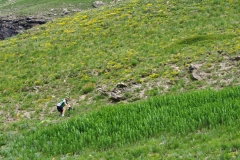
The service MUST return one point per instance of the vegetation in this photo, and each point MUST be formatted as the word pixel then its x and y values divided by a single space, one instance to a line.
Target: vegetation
pixel 150 44
pixel 123 125
pixel 42 7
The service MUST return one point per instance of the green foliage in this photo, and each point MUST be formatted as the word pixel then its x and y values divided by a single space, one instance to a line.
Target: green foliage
pixel 153 92
pixel 125 124
pixel 199 38
pixel 88 87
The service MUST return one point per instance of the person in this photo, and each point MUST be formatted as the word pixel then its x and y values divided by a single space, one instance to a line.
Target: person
pixel 63 106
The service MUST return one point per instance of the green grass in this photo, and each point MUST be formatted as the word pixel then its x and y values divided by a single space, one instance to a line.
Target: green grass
pixel 112 127
pixel 43 7
pixel 148 46
pixel 210 144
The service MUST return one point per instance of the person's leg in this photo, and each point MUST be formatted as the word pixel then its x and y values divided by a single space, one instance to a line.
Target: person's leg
pixel 63 112
pixel 60 109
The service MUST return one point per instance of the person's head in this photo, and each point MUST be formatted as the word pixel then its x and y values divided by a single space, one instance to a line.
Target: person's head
pixel 67 98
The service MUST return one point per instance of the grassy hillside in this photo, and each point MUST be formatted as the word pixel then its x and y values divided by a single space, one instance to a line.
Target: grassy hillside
pixel 149 46
pixel 114 128
pixel 43 7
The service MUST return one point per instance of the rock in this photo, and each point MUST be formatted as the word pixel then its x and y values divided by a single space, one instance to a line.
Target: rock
pixel 11 26
pixel 236 58
pixel 121 85
pixel 115 1
pixel 195 76
pixel 65 11
pixel 97 4
pixel 102 91
pixel 76 10
pixel 193 71
pixel 116 96
pixel 192 67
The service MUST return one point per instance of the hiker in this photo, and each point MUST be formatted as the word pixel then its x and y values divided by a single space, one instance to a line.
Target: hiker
pixel 63 106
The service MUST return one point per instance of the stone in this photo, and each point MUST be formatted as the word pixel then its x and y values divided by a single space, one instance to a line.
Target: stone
pixel 98 4
pixel 11 26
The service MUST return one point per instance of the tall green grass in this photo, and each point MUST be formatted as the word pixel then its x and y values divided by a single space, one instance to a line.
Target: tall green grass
pixel 121 125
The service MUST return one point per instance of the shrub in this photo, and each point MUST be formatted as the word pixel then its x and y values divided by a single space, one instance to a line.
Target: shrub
pixel 88 87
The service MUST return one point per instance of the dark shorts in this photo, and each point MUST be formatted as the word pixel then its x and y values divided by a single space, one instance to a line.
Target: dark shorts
pixel 60 109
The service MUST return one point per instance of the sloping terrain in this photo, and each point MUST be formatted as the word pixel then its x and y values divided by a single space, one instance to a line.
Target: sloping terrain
pixel 117 54
pixel 150 47
pixel 53 8
pixel 18 15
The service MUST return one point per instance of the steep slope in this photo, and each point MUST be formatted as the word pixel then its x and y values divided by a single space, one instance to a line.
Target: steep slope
pixel 122 53
pixel 147 45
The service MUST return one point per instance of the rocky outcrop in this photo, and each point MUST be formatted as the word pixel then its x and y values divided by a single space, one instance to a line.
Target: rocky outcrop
pixel 10 26
pixel 116 94
pixel 97 4
pixel 193 70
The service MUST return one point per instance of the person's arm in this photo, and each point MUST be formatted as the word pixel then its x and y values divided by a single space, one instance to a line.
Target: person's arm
pixel 66 104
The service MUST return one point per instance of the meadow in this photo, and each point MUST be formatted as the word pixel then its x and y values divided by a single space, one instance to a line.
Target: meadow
pixel 43 7
pixel 148 44
pixel 118 126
